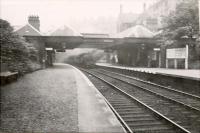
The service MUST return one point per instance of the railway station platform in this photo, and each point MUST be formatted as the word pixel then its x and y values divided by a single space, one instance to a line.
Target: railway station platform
pixel 57 99
pixel 192 74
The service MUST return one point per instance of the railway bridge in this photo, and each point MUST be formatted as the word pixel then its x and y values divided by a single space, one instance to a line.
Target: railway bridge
pixel 128 48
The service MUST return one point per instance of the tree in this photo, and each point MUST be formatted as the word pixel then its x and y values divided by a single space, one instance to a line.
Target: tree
pixel 9 40
pixel 6 31
pixel 181 23
pixel 15 51
pixel 181 27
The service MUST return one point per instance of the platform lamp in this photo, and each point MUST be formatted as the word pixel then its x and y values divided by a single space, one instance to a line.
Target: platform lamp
pixel 63 44
pixel 198 40
pixel 199 16
pixel 199 20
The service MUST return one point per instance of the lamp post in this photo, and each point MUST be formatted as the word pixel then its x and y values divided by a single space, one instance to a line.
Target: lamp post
pixel 199 16
pixel 199 23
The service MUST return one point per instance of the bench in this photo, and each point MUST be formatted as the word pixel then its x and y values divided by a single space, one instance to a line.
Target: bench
pixel 7 76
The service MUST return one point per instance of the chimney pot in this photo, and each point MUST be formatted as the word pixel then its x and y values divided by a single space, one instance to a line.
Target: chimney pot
pixel 34 21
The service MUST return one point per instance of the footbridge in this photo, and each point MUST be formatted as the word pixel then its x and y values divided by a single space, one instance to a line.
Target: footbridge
pixel 47 45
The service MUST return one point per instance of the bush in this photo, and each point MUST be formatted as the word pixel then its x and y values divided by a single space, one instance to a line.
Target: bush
pixel 15 51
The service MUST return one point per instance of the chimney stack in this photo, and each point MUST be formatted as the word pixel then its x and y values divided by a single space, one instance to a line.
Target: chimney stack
pixel 144 7
pixel 121 9
pixel 34 21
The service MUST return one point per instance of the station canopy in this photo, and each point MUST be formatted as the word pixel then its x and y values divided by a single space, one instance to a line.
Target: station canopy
pixel 137 31
pixel 65 31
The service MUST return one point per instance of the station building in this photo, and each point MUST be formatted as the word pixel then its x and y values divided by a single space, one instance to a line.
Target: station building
pixel 129 47
pixel 151 18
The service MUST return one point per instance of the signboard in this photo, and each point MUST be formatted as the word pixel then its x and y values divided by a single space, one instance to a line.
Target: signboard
pixel 156 49
pixel 49 48
pixel 176 53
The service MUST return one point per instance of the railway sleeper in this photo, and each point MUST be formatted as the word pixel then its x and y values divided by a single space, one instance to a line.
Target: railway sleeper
pixel 154 130
pixel 135 116
pixel 131 113
pixel 149 120
pixel 139 119
pixel 129 109
pixel 149 126
pixel 126 107
pixel 145 123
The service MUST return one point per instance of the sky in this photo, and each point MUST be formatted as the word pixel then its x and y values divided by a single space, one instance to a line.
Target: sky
pixel 55 13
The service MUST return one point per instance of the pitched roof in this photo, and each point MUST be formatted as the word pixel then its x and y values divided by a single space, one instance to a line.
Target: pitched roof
pixel 65 31
pixel 138 31
pixel 27 30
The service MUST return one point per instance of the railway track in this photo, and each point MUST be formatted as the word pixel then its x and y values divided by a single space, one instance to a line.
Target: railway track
pixel 186 99
pixel 179 84
pixel 138 116
pixel 176 112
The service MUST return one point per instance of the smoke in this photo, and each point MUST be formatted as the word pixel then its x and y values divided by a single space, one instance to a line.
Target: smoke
pixel 79 55
pixel 85 58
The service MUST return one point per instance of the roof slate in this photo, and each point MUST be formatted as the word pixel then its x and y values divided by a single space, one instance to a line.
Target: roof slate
pixel 138 31
pixel 28 30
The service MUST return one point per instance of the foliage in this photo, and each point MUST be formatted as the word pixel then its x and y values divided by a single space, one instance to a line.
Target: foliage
pixel 181 23
pixel 15 51
pixel 6 31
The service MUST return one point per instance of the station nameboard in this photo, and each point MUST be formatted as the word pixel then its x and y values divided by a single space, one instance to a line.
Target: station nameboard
pixel 176 53
pixel 48 49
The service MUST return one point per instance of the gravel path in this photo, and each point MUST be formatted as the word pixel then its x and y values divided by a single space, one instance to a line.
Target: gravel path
pixel 43 101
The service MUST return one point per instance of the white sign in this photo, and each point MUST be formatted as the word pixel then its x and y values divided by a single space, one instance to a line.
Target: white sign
pixel 49 48
pixel 156 49
pixel 176 53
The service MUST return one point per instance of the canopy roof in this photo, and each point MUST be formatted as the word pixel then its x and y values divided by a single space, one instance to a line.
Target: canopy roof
pixel 65 31
pixel 137 31
pixel 27 30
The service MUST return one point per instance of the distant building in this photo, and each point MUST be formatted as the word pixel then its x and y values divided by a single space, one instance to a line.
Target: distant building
pixel 30 29
pixel 152 17
pixel 125 20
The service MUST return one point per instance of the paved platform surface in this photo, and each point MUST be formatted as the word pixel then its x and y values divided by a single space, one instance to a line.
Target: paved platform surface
pixel 190 73
pixel 58 99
